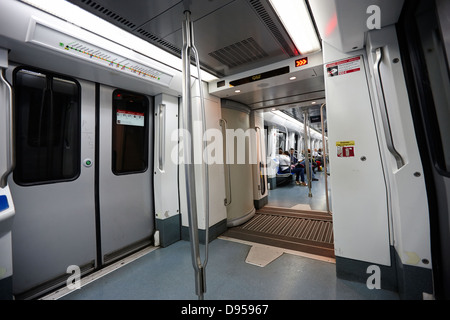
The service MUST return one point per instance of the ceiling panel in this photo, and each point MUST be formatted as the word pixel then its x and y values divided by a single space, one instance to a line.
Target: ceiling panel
pixel 248 30
pixel 343 23
pixel 237 32
pixel 170 21
pixel 232 36
pixel 122 13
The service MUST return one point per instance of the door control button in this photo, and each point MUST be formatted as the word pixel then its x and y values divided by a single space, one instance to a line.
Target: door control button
pixel 87 163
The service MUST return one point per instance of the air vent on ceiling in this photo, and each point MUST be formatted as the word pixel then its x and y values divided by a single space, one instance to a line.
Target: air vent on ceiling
pixel 148 34
pixel 268 21
pixel 108 13
pixel 161 42
pixel 239 53
pixel 113 17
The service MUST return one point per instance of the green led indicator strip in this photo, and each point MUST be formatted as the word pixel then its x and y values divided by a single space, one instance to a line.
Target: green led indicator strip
pixel 112 63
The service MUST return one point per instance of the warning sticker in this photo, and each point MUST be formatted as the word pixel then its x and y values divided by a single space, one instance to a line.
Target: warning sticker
pixel 345 143
pixel 345 149
pixel 343 67
pixel 130 118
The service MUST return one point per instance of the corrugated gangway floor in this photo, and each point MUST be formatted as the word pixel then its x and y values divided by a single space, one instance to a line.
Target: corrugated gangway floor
pixel 310 232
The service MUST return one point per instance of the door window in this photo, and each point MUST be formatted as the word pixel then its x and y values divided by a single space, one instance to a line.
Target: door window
pixel 130 133
pixel 47 117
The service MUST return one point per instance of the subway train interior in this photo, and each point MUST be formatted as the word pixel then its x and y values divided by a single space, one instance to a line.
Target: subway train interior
pixel 225 150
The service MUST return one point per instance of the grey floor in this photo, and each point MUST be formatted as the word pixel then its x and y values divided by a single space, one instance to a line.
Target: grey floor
pixel 167 274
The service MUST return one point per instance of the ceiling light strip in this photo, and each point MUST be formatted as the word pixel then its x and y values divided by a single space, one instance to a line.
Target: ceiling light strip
pixel 298 23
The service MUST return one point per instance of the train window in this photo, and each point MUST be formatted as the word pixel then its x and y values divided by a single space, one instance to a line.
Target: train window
pixel 47 118
pixel 130 133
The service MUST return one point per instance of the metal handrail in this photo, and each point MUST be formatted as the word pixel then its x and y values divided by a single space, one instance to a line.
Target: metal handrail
pixel 162 137
pixel 205 144
pixel 262 189
pixel 383 110
pixel 189 159
pixel 228 198
pixel 324 158
pixel 199 266
pixel 305 148
pixel 10 134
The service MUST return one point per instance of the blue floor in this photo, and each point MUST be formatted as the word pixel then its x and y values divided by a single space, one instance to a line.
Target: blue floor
pixel 290 194
pixel 167 274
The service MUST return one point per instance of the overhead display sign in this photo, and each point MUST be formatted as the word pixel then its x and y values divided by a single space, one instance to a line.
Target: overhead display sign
pixel 301 62
pixel 315 119
pixel 261 76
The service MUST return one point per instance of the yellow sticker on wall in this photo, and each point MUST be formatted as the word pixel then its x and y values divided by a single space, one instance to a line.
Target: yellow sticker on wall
pixel 345 149
pixel 345 143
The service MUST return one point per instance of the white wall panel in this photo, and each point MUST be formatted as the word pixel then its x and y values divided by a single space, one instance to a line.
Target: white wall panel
pixel 165 173
pixel 411 230
pixel 358 188
pixel 217 210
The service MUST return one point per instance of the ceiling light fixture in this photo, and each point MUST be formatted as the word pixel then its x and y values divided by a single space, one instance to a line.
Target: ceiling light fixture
pixel 292 78
pixel 296 19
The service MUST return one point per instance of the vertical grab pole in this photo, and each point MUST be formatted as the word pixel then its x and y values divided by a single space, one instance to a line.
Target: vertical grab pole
pixel 205 165
pixel 189 158
pixel 324 157
pixel 308 171
pixel 199 266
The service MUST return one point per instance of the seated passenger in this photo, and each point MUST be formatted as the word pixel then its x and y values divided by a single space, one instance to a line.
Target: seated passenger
pixel 287 167
pixel 285 162
pixel 301 163
pixel 315 153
